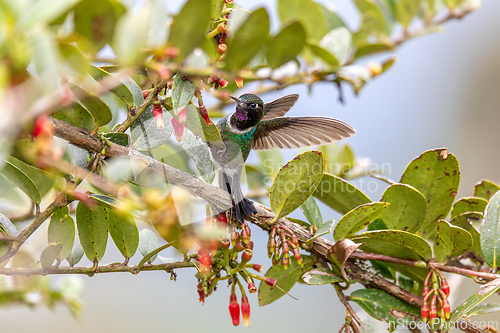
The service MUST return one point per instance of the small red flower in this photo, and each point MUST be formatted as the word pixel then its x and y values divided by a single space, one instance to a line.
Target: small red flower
pixel 201 293
pixel 270 282
pixel 158 114
pixel 246 256
pixel 257 267
pixel 245 311
pixel 252 289
pixel 234 309
pixel 43 127
pixel 205 261
pixel 204 115
pixel 178 129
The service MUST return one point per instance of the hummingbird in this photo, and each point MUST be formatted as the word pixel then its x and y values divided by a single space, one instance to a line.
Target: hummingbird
pixel 262 126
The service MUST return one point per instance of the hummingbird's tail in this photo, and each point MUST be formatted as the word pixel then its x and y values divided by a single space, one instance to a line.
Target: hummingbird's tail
pixel 243 206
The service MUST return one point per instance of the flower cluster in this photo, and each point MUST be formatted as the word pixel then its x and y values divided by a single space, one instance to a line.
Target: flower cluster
pixel 435 297
pixel 282 239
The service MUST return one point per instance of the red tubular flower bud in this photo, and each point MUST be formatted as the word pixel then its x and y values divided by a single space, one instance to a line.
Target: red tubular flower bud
pixel 425 291
pixel 433 309
pixel 284 262
pixel 145 93
pixel 234 309
pixel 239 82
pixel 43 127
pixel 276 253
pixel 244 236
pixel 214 245
pixel 285 249
pixel 252 289
pixel 201 293
pixel 205 261
pixel 158 114
pixel 424 311
pixel 257 267
pixel 182 116
pixel 298 257
pixel 234 237
pixel 439 307
pixel 178 129
pixel 249 245
pixel 222 83
pixel 295 241
pixel 427 278
pixel 222 218
pixel 204 114
pixel 272 234
pixel 247 255
pixel 446 308
pixel 271 246
pixel 245 311
pixel 270 282
pixel 445 287
pixel 238 247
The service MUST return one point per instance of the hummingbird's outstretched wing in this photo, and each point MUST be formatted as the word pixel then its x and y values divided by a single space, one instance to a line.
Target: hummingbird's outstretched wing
pixel 279 107
pixel 296 132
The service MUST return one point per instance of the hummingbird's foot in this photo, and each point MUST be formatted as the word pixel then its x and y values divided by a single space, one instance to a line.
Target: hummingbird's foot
pixel 244 208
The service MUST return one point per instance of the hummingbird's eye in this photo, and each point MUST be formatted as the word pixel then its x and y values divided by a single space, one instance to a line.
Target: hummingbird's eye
pixel 253 106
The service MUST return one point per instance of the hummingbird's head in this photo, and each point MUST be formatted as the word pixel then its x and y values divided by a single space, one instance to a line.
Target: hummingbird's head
pixel 249 111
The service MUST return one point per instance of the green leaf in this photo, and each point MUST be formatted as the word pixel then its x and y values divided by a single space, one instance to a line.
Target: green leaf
pixel 333 20
pixel 62 231
pixel 248 40
pixel 200 154
pixel 465 221
pixel 49 254
pixel 196 124
pixel 407 210
pixel 320 276
pixel 94 104
pixel 7 227
pixel 339 194
pixel 21 180
pixel 383 306
pixel 395 243
pixel 338 42
pixel 77 116
pixel 118 88
pixel 436 175
pixel 324 55
pixel 286 45
pixel 308 12
pixel 182 93
pixel 373 20
pixel 490 232
pixel 482 309
pixel 485 291
pixel 451 241
pixel 124 232
pixel 485 189
pixel 43 11
pixel 190 26
pixel 311 212
pixel 92 227
pixel 295 182
pixel 146 135
pixel 406 10
pixel 147 242
pixel 43 180
pixel 323 229
pixel 469 205
pixel 76 254
pixel 104 200
pixel 358 218
pixel 369 49
pixel 95 20
pixel 285 280
pixel 121 139
pixel 141 29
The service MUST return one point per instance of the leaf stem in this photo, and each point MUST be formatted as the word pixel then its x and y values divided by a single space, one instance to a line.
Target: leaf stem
pixel 153 253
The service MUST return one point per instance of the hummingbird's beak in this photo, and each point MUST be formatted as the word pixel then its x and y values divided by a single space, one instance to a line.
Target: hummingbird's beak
pixel 237 100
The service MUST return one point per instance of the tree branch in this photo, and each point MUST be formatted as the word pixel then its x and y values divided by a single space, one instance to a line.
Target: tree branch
pixel 92 270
